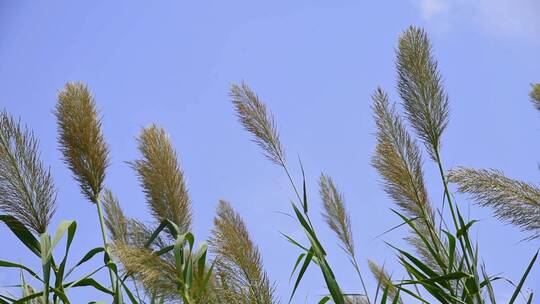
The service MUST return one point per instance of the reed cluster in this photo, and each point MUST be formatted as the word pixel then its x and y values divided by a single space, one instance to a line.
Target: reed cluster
pixel 160 262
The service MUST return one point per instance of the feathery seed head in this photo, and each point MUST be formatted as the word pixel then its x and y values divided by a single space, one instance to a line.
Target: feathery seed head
pixel 398 160
pixel 156 274
pixel 81 140
pixel 335 214
pixel 421 88
pixel 238 261
pixel 257 120
pixel 115 220
pixel 512 200
pixel 384 280
pixel 27 190
pixel 162 179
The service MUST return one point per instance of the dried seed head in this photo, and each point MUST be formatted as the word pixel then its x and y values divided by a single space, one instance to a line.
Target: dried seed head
pixel 238 262
pixel 384 280
pixel 157 275
pixel 512 200
pixel 421 88
pixel 115 220
pixel 27 190
pixel 398 160
pixel 81 140
pixel 256 119
pixel 335 213
pixel 162 179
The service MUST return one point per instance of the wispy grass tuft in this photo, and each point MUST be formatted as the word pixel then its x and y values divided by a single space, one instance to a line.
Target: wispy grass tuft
pixel 115 220
pixel 27 190
pixel 162 179
pixel 81 141
pixel 238 262
pixel 385 282
pixel 335 213
pixel 157 275
pixel 512 200
pixel 254 116
pixel 336 216
pixel 398 160
pixel 421 88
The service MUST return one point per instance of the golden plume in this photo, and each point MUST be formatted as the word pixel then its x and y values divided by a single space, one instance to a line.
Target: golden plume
pixel 157 275
pixel 81 141
pixel 256 119
pixel 398 160
pixel 384 280
pixel 115 220
pixel 162 179
pixel 238 262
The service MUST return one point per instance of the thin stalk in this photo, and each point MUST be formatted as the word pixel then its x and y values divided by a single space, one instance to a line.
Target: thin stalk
pixel 295 190
pixel 104 237
pixel 357 268
pixel 453 212
pixel 290 180
pixel 451 206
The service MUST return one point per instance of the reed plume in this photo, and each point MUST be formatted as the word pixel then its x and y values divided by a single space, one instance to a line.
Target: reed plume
pixel 238 262
pixel 115 220
pixel 162 179
pixel 355 300
pixel 335 213
pixel 513 201
pixel 157 275
pixel 336 216
pixel 398 160
pixel 81 141
pixel 421 89
pixel 27 190
pixel 256 119
pixel 385 281
pixel 535 95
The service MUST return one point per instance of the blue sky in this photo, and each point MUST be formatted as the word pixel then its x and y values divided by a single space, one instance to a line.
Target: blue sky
pixel 315 64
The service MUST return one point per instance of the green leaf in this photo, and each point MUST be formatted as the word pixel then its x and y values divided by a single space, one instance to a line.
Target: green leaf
pixel 324 300
pixel 304 189
pixel 298 260
pixel 523 278
pixel 461 232
pixel 15 265
pixel 303 269
pixel 22 233
pixel 89 282
pixel 71 227
pixel 46 258
pixel 89 255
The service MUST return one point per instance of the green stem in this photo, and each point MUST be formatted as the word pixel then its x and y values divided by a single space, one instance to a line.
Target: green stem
pixel 451 205
pixel 104 237
pixel 456 224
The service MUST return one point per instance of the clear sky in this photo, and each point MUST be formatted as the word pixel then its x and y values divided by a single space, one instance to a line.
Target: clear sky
pixel 315 64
